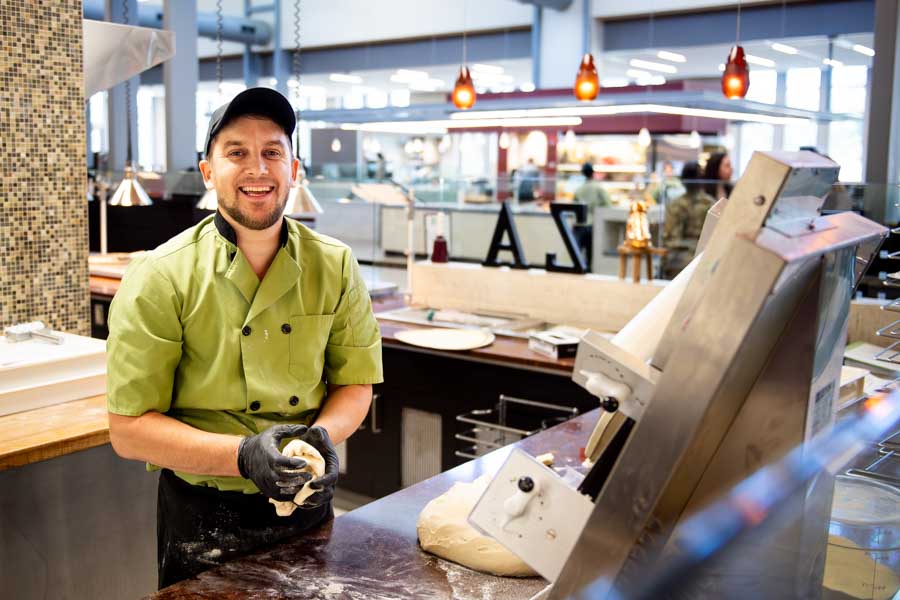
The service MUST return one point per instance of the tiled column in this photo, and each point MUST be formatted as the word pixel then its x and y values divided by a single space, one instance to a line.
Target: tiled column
pixel 43 207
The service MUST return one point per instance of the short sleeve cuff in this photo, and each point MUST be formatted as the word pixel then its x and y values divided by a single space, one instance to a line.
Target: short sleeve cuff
pixel 353 365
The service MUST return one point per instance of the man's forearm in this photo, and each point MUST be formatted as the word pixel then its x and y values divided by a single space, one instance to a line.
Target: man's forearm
pixel 344 410
pixel 156 438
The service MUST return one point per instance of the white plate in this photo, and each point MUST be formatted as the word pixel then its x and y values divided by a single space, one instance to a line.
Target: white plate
pixel 446 339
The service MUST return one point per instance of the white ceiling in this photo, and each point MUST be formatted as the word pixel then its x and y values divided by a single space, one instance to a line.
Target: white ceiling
pixel 704 60
pixel 701 61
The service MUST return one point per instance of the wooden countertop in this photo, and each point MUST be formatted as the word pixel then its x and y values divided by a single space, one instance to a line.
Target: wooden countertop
pixel 373 552
pixel 44 433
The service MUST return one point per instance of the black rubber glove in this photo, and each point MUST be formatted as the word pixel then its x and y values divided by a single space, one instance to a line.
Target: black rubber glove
pixel 260 460
pixel 318 438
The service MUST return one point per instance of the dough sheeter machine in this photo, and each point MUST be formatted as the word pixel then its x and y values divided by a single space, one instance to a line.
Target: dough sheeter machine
pixel 734 365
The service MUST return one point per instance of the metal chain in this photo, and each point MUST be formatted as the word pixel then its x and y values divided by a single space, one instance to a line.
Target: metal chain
pixel 783 16
pixel 296 57
pixel 219 28
pixel 295 64
pixel 128 155
pixel 465 8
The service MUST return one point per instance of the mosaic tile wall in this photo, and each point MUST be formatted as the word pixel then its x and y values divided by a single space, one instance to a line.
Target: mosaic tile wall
pixel 43 207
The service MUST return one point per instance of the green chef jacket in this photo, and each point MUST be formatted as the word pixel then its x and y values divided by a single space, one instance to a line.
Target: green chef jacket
pixel 194 333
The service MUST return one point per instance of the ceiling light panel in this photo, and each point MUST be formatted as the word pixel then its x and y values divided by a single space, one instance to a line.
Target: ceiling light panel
pixel 345 78
pixel 783 48
pixel 760 61
pixel 407 75
pixel 652 66
pixel 583 111
pixel 482 68
pixel 638 74
pixel 673 56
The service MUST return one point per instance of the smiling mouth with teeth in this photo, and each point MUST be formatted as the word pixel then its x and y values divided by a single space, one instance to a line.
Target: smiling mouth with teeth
pixel 256 190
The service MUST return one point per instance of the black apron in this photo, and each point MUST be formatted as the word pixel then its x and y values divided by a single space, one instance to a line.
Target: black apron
pixel 198 527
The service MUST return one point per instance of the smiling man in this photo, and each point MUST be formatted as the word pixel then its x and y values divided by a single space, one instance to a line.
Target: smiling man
pixel 232 338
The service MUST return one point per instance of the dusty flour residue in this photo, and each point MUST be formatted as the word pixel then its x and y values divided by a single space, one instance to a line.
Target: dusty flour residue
pixel 467 584
pixel 333 588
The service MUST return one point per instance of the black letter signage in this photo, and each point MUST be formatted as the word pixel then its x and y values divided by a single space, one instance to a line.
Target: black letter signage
pixel 558 209
pixel 506 224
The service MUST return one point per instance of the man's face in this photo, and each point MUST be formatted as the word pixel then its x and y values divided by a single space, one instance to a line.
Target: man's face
pixel 251 168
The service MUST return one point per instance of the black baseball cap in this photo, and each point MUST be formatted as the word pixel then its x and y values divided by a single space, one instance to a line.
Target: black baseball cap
pixel 261 101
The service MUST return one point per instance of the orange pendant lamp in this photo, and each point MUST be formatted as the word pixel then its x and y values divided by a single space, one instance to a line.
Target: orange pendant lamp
pixel 587 82
pixel 736 77
pixel 463 95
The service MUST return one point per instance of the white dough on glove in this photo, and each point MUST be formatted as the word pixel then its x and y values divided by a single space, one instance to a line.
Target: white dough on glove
pixel 315 464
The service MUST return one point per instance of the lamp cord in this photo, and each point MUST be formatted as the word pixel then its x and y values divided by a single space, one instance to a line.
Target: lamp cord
pixel 738 33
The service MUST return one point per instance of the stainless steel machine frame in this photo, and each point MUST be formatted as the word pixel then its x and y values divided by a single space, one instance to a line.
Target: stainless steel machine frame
pixel 750 367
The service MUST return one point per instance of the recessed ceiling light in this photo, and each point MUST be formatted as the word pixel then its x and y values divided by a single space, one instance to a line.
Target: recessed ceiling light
pixel 653 66
pixel 783 48
pixel 345 78
pixel 760 61
pixel 527 87
pixel 479 67
pixel 627 109
pixel 613 82
pixel 652 80
pixel 638 74
pixel 863 49
pixel 673 56
pixel 488 78
pixel 832 63
pixel 721 66
pixel 407 75
pixel 426 85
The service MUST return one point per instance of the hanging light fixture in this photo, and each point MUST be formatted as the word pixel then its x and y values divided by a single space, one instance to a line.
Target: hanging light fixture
pixel 464 91
pixel 736 76
pixel 644 138
pixel 463 95
pixel 300 200
pixel 587 82
pixel 695 140
pixel 130 192
pixel 210 200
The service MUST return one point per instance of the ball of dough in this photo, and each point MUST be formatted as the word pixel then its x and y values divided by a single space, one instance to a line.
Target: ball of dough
pixel 315 464
pixel 444 531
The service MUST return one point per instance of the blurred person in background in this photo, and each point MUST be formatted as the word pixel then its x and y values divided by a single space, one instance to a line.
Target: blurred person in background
pixel 529 178
pixel 592 194
pixel 718 173
pixel 684 220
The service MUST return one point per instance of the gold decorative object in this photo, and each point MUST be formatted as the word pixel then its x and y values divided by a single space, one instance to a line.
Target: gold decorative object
pixel 637 227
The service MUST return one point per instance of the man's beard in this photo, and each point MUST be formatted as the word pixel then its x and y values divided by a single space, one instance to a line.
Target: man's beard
pixel 234 211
